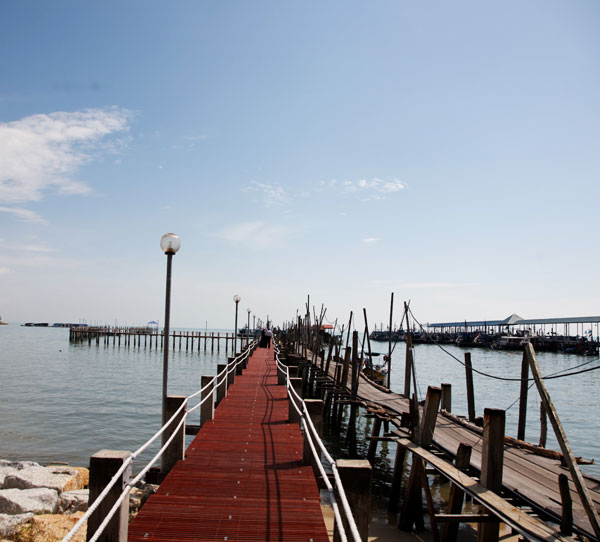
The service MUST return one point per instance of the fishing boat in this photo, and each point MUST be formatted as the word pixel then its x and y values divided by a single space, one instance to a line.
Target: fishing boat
pixel 377 372
pixel 2 323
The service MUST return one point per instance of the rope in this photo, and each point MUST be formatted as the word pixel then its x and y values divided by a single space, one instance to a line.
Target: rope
pixel 129 461
pixel 311 432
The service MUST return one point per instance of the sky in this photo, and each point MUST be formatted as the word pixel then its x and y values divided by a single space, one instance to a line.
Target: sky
pixel 447 152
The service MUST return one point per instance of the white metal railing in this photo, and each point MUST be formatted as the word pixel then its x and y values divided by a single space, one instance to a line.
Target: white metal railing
pixel 313 437
pixel 219 378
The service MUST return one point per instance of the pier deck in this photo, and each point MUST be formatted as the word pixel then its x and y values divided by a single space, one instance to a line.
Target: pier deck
pixel 242 477
pixel 529 476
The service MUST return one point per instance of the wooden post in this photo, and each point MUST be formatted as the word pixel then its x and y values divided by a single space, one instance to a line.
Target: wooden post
pixel 446 403
pixel 577 478
pixel 566 520
pixel 412 507
pixel 222 386
pixel 456 494
pixel 293 415
pixel 543 426
pixel 470 392
pixel 523 397
pixel 492 462
pixel 103 466
pixel 397 479
pixel 373 443
pixel 356 475
pixel 347 355
pixel 409 358
pixel 207 410
pixel 176 449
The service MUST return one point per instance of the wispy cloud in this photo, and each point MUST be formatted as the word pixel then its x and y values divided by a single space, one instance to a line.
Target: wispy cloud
pixel 271 194
pixel 370 240
pixel 24 215
pixel 256 234
pixel 425 285
pixel 374 188
pixel 42 152
pixel 5 270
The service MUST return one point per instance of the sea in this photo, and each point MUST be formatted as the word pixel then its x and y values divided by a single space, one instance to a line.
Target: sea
pixel 62 402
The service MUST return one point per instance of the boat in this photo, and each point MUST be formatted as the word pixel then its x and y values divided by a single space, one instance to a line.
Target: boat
pixel 2 323
pixel 377 372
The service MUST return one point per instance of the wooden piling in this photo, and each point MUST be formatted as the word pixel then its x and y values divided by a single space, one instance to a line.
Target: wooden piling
pixel 523 397
pixel 470 391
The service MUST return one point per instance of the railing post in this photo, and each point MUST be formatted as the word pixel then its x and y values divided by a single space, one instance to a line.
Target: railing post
pixel 230 373
pixel 103 466
pixel 296 385
pixel 175 450
pixel 207 410
pixel 281 375
pixel 355 475
pixel 315 411
pixel 222 386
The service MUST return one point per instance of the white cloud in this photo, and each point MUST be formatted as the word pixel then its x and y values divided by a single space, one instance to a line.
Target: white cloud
pixel 370 240
pixel 5 270
pixel 272 194
pixel 375 186
pixel 255 234
pixel 40 152
pixel 25 215
pixel 425 285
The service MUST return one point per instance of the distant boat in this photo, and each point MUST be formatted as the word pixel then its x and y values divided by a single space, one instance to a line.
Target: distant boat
pixel 2 323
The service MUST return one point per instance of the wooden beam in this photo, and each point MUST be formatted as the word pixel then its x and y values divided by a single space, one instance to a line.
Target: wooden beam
pixel 565 447
pixel 530 527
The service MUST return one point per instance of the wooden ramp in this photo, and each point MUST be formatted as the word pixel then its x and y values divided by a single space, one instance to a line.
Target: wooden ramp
pixel 243 477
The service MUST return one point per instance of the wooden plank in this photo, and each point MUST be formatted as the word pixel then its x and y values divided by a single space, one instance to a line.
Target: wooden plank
pixel 563 442
pixel 529 527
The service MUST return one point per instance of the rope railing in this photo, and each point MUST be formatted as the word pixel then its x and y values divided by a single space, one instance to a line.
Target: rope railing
pixel 312 436
pixel 131 482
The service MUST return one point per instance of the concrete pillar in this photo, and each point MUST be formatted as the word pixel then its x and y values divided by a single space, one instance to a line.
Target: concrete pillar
pixel 296 384
pixel 315 409
pixel 222 387
pixel 356 479
pixel 207 410
pixel 176 449
pixel 103 466
pixel 230 373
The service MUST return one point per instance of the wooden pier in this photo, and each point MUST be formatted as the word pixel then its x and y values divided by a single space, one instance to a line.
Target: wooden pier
pixel 145 337
pixel 525 486
pixel 243 477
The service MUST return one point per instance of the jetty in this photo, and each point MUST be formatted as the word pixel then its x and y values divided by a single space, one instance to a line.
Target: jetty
pixel 257 464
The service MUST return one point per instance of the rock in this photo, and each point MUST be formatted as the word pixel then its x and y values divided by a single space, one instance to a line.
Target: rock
pixel 38 500
pixel 50 528
pixel 9 525
pixel 70 502
pixel 58 478
pixel 12 467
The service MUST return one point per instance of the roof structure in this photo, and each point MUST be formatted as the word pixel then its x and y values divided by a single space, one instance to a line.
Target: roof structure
pixel 516 320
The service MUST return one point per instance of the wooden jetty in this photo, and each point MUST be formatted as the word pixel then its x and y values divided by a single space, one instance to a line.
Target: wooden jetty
pixel 148 337
pixel 516 482
pixel 243 476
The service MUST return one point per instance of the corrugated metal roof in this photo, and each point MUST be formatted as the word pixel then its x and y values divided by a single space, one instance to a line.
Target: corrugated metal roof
pixel 516 320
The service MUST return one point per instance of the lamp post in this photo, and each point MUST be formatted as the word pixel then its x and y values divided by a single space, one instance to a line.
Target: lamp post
pixel 254 323
pixel 170 243
pixel 236 299
pixel 248 336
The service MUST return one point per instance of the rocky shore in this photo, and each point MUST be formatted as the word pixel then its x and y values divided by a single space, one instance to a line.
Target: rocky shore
pixel 42 503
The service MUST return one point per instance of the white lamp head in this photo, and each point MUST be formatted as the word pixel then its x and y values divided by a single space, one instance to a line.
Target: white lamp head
pixel 170 243
pixel 237 298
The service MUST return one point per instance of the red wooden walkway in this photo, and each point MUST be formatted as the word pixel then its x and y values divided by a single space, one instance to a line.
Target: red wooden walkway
pixel 243 478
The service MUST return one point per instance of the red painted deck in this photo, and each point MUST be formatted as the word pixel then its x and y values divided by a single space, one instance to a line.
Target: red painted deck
pixel 243 478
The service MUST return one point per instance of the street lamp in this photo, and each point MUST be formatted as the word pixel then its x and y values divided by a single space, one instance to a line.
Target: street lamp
pixel 170 244
pixel 254 323
pixel 248 336
pixel 236 299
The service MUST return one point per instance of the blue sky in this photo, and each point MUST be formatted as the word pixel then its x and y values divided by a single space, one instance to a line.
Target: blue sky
pixel 445 151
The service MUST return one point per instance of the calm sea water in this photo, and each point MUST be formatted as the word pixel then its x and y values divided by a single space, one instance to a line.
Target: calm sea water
pixel 64 402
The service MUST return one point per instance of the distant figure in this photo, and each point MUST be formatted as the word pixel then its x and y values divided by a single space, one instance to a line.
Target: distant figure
pixel 264 341
pixel 268 335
